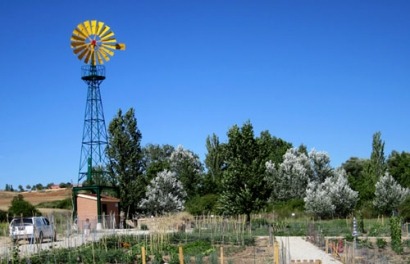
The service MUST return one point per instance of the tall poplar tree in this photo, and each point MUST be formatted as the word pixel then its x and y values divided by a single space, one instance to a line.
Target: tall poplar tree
pixel 125 160
pixel 214 162
pixel 376 169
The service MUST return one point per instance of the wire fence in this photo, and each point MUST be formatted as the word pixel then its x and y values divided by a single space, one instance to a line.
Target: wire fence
pixel 231 234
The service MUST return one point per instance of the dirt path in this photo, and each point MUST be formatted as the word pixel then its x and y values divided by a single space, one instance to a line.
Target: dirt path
pixel 296 248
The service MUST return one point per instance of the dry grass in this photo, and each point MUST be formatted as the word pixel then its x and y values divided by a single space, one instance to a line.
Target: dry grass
pixel 34 197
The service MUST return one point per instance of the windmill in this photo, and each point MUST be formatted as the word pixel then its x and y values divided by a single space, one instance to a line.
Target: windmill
pixel 93 42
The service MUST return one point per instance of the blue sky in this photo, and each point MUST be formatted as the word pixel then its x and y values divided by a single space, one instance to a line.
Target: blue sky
pixel 328 74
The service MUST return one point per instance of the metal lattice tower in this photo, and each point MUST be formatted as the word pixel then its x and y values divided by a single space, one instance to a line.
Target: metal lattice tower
pixel 93 158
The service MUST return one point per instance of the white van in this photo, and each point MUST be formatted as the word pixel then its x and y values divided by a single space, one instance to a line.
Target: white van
pixel 32 228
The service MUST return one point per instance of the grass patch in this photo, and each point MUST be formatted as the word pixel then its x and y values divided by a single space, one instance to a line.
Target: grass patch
pixel 60 204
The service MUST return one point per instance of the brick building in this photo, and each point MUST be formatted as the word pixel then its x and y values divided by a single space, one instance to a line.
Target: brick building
pixel 87 208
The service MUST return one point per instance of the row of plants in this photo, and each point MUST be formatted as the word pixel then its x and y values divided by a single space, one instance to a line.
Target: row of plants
pixel 128 249
pixel 209 232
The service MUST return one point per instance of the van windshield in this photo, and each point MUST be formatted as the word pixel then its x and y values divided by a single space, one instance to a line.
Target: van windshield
pixel 22 221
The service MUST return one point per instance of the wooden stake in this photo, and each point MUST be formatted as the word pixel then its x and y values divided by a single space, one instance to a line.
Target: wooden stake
pixel 181 255
pixel 222 255
pixel 276 252
pixel 143 255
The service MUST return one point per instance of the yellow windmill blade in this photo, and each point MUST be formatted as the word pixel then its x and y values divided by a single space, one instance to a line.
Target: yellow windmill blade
pixel 105 30
pixel 93 42
pixel 87 25
pixel 100 26
pixel 94 27
pixel 82 54
pixel 82 29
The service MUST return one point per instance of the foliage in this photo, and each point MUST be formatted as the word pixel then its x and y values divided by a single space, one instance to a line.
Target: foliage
pixel 343 197
pixel 377 160
pixel 381 243
pixel 332 197
pixel 125 159
pixel 60 204
pixel 165 194
pixel 318 202
pixel 21 207
pixel 197 247
pixel 245 189
pixel 389 195
pixel 188 169
pixel 376 168
pixel 156 158
pixel 398 165
pixel 214 163
pixel 395 229
pixel 9 188
pixel 286 209
pixel 404 209
pixel 290 179
pixel 320 166
pixel 272 148
pixel 357 174
pixel 202 205
pixel 3 216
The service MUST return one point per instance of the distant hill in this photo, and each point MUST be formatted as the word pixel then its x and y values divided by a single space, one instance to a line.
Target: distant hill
pixel 34 197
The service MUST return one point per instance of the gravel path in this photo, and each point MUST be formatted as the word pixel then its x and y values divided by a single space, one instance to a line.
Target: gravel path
pixel 296 248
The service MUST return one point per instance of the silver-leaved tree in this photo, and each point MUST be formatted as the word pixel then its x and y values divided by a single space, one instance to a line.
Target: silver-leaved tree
pixel 164 194
pixel 389 194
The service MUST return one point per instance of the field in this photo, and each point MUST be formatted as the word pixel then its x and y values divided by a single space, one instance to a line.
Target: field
pixel 34 197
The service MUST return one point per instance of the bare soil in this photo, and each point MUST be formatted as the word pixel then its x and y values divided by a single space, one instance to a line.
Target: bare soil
pixel 34 197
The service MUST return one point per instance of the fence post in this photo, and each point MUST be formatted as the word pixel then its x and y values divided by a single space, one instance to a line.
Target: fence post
pixel 181 255
pixel 143 255
pixel 222 255
pixel 276 252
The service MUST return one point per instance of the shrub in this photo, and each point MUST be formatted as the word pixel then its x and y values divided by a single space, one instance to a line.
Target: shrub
pixel 404 210
pixel 19 207
pixel 395 229
pixel 60 204
pixel 381 243
pixel 3 216
pixel 202 205
pixel 285 209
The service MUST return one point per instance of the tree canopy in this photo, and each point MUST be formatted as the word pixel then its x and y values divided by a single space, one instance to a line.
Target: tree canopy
pixel 125 159
pixel 21 207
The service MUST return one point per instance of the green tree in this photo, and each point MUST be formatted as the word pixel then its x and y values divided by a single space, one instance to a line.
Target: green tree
pixel 21 207
pixel 378 165
pixel 245 189
pixel 125 160
pixel 156 158
pixel 357 172
pixel 189 170
pixel 214 163
pixel 398 165
pixel 272 148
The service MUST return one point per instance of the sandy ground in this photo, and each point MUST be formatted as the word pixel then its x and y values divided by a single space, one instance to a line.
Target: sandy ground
pixel 296 248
